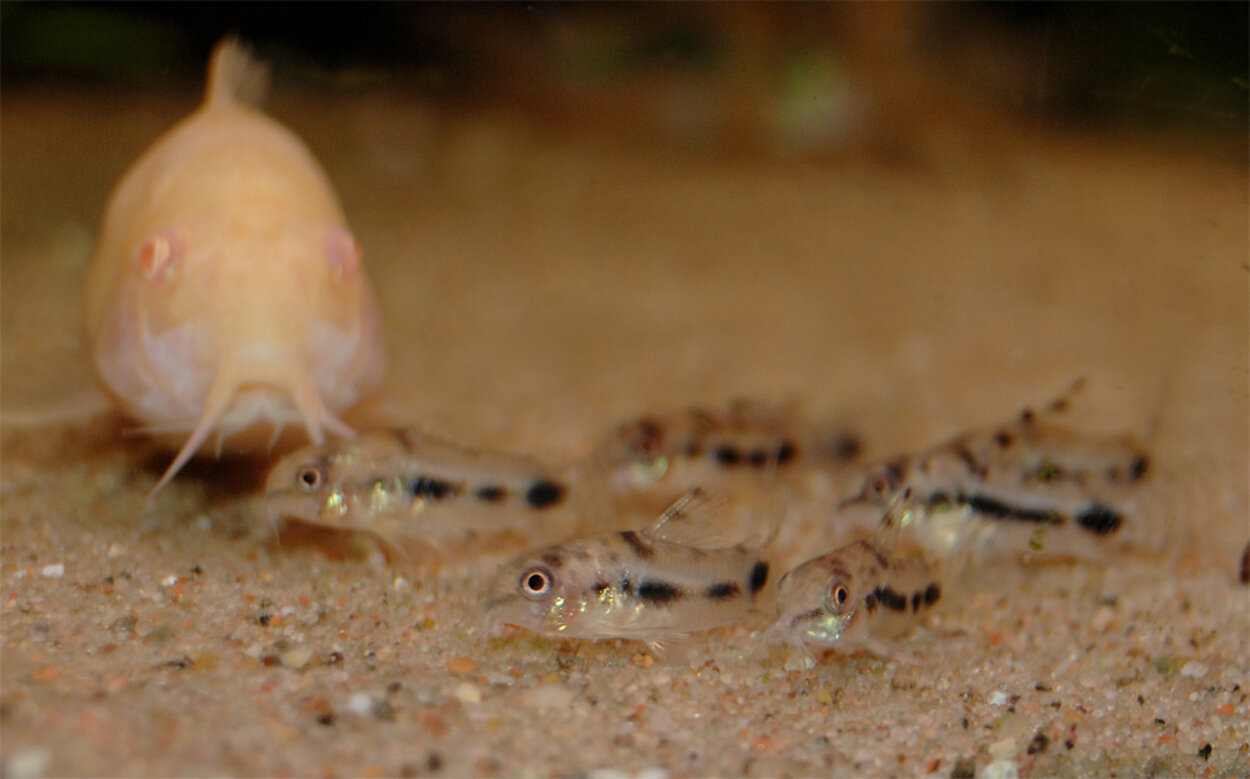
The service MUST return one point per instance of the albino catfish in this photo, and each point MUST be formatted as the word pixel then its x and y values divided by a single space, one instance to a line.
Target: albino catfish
pixel 227 295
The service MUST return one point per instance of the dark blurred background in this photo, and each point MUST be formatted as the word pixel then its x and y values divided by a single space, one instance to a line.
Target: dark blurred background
pixel 796 78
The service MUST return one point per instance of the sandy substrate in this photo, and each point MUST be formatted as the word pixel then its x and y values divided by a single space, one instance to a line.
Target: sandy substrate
pixel 539 288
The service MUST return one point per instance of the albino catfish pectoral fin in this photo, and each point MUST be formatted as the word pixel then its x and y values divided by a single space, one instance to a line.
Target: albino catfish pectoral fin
pixel 71 411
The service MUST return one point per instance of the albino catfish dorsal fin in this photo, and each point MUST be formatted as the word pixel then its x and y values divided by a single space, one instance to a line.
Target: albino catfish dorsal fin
pixel 235 76
pixel 698 518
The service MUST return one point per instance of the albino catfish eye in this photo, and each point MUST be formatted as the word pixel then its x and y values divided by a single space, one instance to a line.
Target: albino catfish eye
pixel 309 478
pixel 839 594
pixel 535 582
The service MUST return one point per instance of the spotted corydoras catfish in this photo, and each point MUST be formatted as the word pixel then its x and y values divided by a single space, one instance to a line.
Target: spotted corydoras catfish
pixel 1060 487
pixel 398 483
pixel 860 595
pixel 674 452
pixel 636 584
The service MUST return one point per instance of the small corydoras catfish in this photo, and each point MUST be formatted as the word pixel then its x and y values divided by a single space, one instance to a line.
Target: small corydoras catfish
pixel 390 482
pixel 696 446
pixel 1029 474
pixel 226 293
pixel 632 584
pixel 861 595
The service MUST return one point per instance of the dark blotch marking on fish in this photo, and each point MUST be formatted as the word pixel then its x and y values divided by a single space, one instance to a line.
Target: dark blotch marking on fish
pixel 640 547
pixel 1099 520
pixel 870 602
pixel 703 421
pixel 543 494
pixel 491 493
pixel 890 599
pixel 646 437
pixel 553 560
pixel 844 448
pixel 601 587
pixel 1139 468
pixel 966 457
pixel 788 451
pixel 1004 439
pixel 882 560
pixel 926 597
pixel 658 592
pixel 727 455
pixel 1243 574
pixel 723 591
pixel 759 576
pixel 758 458
pixel 627 587
pixel 436 489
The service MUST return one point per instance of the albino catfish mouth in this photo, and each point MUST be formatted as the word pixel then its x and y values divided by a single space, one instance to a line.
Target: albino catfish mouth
pixel 235 404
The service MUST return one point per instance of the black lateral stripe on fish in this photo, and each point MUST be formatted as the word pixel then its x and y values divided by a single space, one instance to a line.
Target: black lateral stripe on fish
pixel 994 508
pixel 1096 518
pixel 747 437
pixel 654 591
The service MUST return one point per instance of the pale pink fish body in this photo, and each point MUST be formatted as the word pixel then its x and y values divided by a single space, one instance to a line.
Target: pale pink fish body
pixel 227 296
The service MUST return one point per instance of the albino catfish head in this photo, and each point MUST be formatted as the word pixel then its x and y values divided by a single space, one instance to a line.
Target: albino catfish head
pixel 204 343
pixel 226 290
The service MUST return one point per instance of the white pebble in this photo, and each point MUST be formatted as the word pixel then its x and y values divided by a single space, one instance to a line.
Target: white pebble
pixel 998 698
pixel 468 692
pixel 1194 669
pixel 360 703
pixel 169 581
pixel 999 769
pixel 53 571
pixel 296 658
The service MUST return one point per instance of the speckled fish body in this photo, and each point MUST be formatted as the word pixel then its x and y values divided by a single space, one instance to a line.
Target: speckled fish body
pixel 630 584
pixel 855 597
pixel 1031 474
pixel 227 297
pixel 389 482
pixel 678 451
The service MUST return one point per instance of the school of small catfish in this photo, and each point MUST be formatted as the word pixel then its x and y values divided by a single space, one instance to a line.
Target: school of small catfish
pixel 670 527
pixel 228 300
